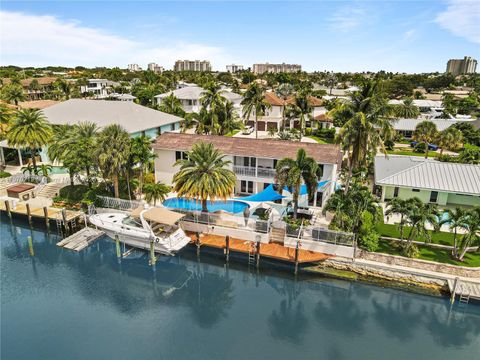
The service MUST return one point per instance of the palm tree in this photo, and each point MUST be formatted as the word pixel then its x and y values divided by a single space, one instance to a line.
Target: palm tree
pixel 450 139
pixel 254 101
pixel 44 169
pixel 189 121
pixel 401 207
pixel 84 143
pixel 172 105
pixel 331 81
pixel 284 91
pixel 62 149
pixel 407 109
pixel 28 169
pixel 302 109
pixel 212 101
pixel 418 217
pixel 472 228
pixel 13 93
pixel 30 130
pixel 228 118
pixel 113 151
pixel 204 174
pixel 141 153
pixel 6 117
pixel 456 220
pixel 425 132
pixel 156 192
pixel 292 173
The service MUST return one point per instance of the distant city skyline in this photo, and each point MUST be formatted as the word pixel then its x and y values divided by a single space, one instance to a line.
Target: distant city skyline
pixel 350 36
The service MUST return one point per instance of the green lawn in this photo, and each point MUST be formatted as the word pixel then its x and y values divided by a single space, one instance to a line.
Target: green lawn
pixel 321 140
pixel 231 133
pixel 471 259
pixel 408 152
pixel 389 230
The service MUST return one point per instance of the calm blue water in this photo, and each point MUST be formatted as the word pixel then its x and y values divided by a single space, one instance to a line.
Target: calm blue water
pixel 231 206
pixel 61 304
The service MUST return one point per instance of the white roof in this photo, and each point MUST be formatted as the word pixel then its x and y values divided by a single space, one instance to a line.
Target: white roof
pixel 420 103
pixel 420 173
pixel 131 116
pixel 196 92
pixel 410 124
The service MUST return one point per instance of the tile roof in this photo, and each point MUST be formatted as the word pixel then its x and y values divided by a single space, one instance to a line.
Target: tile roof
pixel 266 148
pixel 273 99
pixel 313 101
pixel 323 117
pixel 419 173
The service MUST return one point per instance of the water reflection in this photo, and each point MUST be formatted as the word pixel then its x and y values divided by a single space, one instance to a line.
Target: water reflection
pixel 289 322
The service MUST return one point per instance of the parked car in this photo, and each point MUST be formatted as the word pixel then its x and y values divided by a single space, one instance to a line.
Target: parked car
pixel 432 147
pixel 248 130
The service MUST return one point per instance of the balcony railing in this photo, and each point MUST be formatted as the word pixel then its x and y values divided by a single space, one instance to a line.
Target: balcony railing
pixel 254 172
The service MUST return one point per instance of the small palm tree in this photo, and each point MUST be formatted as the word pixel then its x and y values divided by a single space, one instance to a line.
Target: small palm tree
pixel 254 101
pixel 172 105
pixel 212 102
pixel 44 169
pixel 156 192
pixel 84 140
pixel 301 108
pixel 450 139
pixel 141 154
pixel 472 228
pixel 228 118
pixel 284 91
pixel 292 173
pixel 407 109
pixel 401 207
pixel 456 220
pixel 62 149
pixel 204 174
pixel 425 132
pixel 29 129
pixel 418 217
pixel 113 152
pixel 28 169
pixel 13 93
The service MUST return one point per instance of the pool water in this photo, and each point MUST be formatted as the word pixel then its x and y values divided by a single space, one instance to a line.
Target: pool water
pixel 60 304
pixel 58 170
pixel 231 206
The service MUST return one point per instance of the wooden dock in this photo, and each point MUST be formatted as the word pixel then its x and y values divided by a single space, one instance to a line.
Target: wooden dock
pixel 465 290
pixel 81 239
pixel 51 212
pixel 271 250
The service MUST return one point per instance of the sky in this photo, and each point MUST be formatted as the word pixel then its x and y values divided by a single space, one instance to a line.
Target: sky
pixel 399 36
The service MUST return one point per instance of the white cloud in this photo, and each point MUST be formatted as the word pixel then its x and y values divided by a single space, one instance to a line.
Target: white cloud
pixel 409 34
pixel 462 18
pixel 347 18
pixel 34 40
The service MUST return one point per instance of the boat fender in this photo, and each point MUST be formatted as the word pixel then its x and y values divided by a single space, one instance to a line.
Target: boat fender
pixel 157 240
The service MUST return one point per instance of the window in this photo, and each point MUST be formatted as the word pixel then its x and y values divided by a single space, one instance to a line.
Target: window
pixel 395 191
pixel 246 187
pixel 159 131
pixel 249 161
pixel 180 155
pixel 319 199
pixel 250 187
pixel 172 126
pixel 416 190
pixel 320 170
pixel 433 196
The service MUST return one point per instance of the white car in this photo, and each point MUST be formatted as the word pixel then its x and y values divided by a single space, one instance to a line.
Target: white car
pixel 248 130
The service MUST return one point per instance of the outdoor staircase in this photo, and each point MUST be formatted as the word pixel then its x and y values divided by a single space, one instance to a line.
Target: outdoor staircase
pixel 277 236
pixel 3 189
pixel 51 190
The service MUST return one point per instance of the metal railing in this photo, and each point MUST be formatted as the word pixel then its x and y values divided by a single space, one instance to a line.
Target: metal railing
pixel 118 204
pixel 328 236
pixel 21 178
pixel 254 171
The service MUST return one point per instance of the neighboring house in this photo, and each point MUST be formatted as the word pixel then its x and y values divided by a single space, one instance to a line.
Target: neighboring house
pixel 432 181
pixel 429 108
pixel 406 127
pixel 43 85
pixel 252 160
pixel 99 87
pixel 190 97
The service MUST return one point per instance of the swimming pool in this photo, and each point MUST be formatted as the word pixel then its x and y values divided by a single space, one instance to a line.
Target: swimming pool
pixel 58 170
pixel 231 206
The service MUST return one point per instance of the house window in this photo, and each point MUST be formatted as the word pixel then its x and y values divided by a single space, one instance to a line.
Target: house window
pixel 433 196
pixel 172 127
pixel 416 190
pixel 249 161
pixel 320 170
pixel 395 191
pixel 246 187
pixel 159 131
pixel 178 155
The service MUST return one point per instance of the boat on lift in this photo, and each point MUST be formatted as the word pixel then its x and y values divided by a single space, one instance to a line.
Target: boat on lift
pixel 143 226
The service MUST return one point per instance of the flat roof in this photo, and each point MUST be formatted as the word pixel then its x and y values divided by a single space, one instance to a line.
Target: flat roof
pixel 263 148
pixel 131 116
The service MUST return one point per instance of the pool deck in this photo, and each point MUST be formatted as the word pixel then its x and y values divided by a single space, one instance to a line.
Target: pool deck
pixel 274 251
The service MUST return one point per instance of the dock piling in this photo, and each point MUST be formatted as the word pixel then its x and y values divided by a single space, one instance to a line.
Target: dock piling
pixel 197 242
pixel 227 248
pixel 153 259
pixel 64 218
pixel 30 246
pixel 296 258
pixel 29 214
pixel 257 260
pixel 45 214
pixel 7 208
pixel 117 245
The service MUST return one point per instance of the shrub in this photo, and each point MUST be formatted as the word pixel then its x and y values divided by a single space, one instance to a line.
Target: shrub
pixel 419 148
pixel 410 250
pixel 149 178
pixel 325 133
pixel 4 174
pixel 73 193
pixel 367 234
pixel 308 131
pixel 369 242
pixel 389 144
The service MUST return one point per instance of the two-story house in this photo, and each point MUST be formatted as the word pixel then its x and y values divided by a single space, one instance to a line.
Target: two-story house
pixel 252 160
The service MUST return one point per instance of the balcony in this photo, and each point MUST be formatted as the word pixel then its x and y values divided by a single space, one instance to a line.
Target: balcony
pixel 259 172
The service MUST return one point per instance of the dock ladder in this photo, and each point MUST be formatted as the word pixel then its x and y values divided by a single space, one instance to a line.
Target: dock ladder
pixel 464 298
pixel 251 253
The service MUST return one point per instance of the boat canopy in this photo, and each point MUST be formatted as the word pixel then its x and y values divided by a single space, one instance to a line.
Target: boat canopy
pixel 159 215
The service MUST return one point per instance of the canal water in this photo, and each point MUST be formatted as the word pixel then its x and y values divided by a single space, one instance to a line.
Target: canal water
pixel 59 304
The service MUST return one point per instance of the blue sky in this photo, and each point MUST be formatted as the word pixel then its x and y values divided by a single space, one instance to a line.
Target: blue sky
pixel 404 36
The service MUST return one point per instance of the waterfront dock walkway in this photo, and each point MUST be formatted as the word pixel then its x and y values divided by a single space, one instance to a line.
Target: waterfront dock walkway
pixel 465 289
pixel 274 251
pixel 53 213
pixel 81 239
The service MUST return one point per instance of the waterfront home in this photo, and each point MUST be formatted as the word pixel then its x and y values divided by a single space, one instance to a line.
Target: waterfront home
pixel 35 88
pixel 98 87
pixel 190 97
pixel 432 181
pixel 425 106
pixel 252 160
pixel 406 127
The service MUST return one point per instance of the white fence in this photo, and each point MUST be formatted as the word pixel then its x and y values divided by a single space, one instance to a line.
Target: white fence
pixel 21 178
pixel 118 204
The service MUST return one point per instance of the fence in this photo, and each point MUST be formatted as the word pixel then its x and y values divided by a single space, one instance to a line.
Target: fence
pixel 320 235
pixel 118 204
pixel 21 178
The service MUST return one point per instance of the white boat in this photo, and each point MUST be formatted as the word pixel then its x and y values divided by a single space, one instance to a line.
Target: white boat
pixel 142 226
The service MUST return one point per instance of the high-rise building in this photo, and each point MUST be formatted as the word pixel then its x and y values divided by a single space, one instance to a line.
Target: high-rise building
pixel 467 65
pixel 195 65
pixel 155 68
pixel 276 68
pixel 234 68
pixel 133 67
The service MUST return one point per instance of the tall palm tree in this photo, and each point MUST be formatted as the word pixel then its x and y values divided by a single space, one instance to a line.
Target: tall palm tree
pixel 254 101
pixel 401 207
pixel 284 91
pixel 85 140
pixel 450 139
pixel 63 150
pixel 425 132
pixel 29 129
pixel 204 174
pixel 228 118
pixel 113 151
pixel 172 105
pixel 419 216
pixel 212 101
pixel 292 173
pixel 156 192
pixel 472 228
pixel 13 93
pixel 141 153
pixel 407 109
pixel 456 220
pixel 302 109
pixel 189 121
pixel 6 116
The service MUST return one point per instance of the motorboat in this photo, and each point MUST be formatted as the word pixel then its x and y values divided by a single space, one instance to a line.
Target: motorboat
pixel 142 227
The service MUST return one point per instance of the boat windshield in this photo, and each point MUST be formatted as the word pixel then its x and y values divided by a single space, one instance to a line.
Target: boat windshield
pixel 129 221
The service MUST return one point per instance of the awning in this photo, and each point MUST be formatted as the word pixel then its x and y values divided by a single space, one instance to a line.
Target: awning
pixel 303 188
pixel 268 194
pixel 159 215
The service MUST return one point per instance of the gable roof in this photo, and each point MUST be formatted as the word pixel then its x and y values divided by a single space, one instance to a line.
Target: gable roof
pixel 419 173
pixel 411 124
pixel 196 92
pixel 265 148
pixel 131 116
pixel 273 99
pixel 312 101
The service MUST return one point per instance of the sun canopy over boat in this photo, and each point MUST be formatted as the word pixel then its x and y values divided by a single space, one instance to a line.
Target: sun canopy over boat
pixel 159 215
